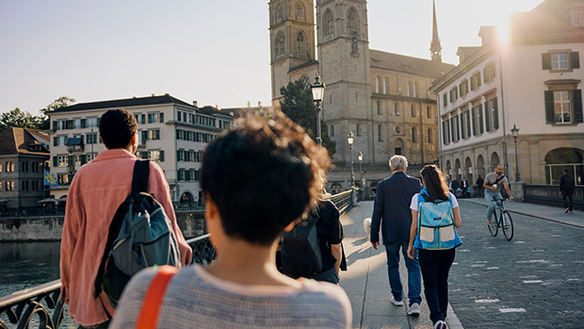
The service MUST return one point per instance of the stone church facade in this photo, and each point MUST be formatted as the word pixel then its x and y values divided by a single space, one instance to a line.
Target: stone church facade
pixel 381 97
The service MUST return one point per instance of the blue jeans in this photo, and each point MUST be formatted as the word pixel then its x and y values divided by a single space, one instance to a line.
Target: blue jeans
pixel 489 197
pixel 414 276
pixel 435 266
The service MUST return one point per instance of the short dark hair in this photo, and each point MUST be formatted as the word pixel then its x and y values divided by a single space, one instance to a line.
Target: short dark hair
pixel 263 174
pixel 116 128
pixel 566 171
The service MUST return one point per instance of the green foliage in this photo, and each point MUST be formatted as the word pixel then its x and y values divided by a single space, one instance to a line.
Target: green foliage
pixel 23 119
pixel 18 118
pixel 299 106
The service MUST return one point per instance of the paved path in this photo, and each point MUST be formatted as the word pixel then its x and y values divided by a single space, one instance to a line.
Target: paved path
pixel 533 281
pixel 367 284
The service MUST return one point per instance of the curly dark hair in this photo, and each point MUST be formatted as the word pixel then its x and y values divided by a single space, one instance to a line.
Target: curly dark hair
pixel 116 128
pixel 262 175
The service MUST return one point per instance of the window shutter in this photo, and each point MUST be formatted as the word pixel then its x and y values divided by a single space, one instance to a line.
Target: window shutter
pixel 474 121
pixel 161 156
pixel 549 106
pixel 575 60
pixel 487 116
pixel 495 114
pixel 83 159
pixel 546 61
pixel 462 124
pixel 83 123
pixel 55 125
pixel 55 162
pixel 577 97
pixel 480 118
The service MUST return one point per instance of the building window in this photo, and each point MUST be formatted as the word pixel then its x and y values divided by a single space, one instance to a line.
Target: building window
pixel 414 135
pixel 428 112
pixel 491 114
pixel 489 73
pixel 154 134
pixel 280 44
pixel 9 186
pixel 445 99
pixel 378 107
pixel 463 88
pixel 560 60
pixel 563 106
pixel 91 138
pixel 352 22
pixel 300 45
pixel 332 131
pixel 9 166
pixel 429 135
pixel 453 94
pixel 379 130
pixel 466 128
pixel 377 85
pixel 329 23
pixel 385 85
pixel 299 10
pixel 475 80
pixel 409 88
pixel 577 16
pixel 396 109
pixel 358 129
pixel 413 110
pixel 1 166
pixel 415 89
pixel 445 131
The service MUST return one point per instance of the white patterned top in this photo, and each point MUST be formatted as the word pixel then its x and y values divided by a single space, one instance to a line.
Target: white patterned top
pixel 197 299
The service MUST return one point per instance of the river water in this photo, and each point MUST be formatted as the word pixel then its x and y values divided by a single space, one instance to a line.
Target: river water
pixel 25 265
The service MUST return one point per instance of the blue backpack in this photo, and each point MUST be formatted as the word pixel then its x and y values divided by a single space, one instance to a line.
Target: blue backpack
pixel 140 236
pixel 435 225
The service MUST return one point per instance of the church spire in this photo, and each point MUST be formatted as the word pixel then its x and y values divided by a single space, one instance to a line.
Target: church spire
pixel 435 47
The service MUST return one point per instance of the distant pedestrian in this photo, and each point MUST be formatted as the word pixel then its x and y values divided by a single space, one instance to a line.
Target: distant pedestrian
pixel 567 186
pixel 391 212
pixel 454 185
pixel 435 264
pixel 480 182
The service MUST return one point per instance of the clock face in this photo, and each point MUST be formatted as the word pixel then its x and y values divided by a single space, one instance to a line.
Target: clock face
pixel 397 129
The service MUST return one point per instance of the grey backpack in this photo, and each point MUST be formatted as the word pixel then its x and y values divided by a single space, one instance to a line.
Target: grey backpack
pixel 140 236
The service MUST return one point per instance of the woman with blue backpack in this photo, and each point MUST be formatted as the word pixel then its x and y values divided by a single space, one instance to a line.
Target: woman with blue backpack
pixel 435 213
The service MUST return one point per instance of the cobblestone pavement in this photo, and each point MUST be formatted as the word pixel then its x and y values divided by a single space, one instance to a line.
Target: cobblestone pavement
pixel 533 281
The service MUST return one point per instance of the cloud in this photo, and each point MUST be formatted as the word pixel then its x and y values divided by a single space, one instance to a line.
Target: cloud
pixel 47 82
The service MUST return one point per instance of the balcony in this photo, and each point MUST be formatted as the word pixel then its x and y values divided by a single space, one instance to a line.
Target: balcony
pixel 75 145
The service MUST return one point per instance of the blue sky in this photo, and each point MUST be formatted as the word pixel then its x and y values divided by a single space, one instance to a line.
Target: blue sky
pixel 215 52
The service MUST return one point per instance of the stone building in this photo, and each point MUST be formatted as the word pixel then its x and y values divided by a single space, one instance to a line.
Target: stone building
pixel 532 83
pixel 170 131
pixel 381 97
pixel 24 153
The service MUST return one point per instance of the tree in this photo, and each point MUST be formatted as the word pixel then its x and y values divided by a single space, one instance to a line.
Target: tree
pixel 18 118
pixel 60 102
pixel 299 106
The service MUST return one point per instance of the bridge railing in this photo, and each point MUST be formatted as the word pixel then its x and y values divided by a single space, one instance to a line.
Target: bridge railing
pixel 549 195
pixel 42 304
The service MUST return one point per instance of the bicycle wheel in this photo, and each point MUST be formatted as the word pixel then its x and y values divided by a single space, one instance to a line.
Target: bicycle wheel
pixel 494 229
pixel 507 224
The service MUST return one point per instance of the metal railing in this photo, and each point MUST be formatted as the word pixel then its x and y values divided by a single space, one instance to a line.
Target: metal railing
pixel 549 195
pixel 43 305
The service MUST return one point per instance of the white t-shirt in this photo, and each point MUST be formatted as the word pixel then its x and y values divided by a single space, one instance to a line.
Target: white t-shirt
pixel 415 203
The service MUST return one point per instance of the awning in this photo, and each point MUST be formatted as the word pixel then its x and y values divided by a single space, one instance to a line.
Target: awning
pixel 74 141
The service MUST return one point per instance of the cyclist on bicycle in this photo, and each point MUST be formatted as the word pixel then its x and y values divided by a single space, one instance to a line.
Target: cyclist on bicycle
pixel 494 183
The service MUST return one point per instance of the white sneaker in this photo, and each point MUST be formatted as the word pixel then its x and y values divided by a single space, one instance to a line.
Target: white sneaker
pixel 440 325
pixel 414 309
pixel 396 302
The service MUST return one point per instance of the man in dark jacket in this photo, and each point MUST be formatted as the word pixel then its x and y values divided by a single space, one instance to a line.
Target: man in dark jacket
pixel 480 182
pixel 392 212
pixel 567 186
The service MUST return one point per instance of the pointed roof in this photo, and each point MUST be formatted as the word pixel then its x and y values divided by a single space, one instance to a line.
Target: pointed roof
pixel 19 140
pixel 435 47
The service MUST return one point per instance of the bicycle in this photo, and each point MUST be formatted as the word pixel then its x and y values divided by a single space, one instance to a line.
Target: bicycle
pixel 502 220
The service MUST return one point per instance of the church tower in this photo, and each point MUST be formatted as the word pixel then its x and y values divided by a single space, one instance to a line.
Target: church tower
pixel 292 42
pixel 343 63
pixel 435 47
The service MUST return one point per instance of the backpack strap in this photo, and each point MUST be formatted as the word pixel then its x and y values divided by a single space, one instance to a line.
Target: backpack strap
pixel 499 179
pixel 153 299
pixel 140 178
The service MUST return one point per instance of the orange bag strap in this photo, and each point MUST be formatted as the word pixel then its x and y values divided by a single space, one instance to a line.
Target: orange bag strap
pixel 153 299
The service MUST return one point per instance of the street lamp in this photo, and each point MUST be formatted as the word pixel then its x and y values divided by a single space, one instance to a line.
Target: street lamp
pixel 350 140
pixel 515 133
pixel 361 168
pixel 317 95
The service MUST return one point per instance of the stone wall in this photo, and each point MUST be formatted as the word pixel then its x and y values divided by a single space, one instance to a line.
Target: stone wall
pixel 50 228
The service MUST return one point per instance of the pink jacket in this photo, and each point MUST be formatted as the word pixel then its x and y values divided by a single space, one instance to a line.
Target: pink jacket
pixel 96 191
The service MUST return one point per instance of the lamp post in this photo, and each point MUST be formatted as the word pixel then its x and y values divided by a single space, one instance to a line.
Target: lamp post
pixel 350 140
pixel 515 133
pixel 360 157
pixel 317 95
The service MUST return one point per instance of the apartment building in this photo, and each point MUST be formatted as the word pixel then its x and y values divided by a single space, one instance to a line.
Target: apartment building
pixel 170 131
pixel 24 153
pixel 533 83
